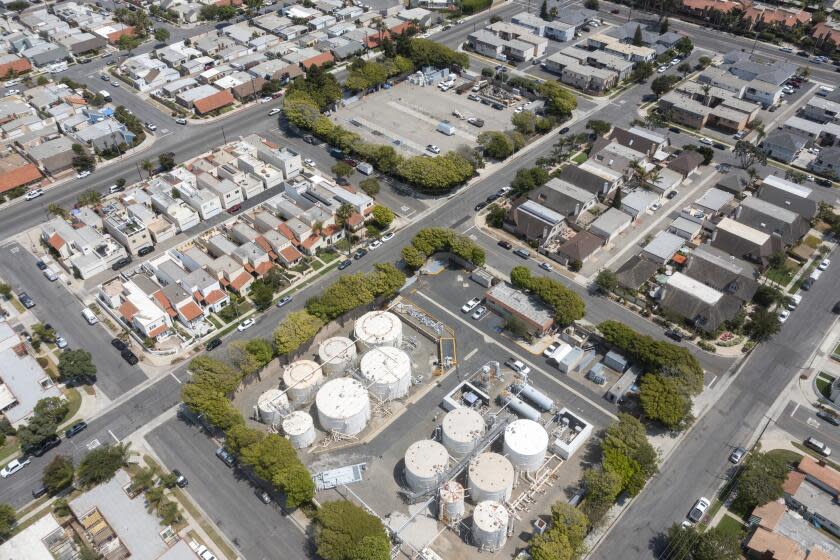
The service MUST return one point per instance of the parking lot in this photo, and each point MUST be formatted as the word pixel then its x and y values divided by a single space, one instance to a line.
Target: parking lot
pixel 406 117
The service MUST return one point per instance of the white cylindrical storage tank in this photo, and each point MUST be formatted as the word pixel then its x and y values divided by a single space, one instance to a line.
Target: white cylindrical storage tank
pixel 302 378
pixel 378 328
pixel 451 501
pixel 462 428
pixel 387 371
pixel 300 429
pixel 490 524
pixel 343 406
pixel 338 355
pixel 526 442
pixel 425 462
pixel 272 406
pixel 490 477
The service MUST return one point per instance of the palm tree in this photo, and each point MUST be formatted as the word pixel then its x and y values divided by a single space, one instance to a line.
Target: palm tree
pixel 753 175
pixel 706 89
pixel 54 209
pixel 143 480
pixel 342 218
pixel 154 497
pixel 147 166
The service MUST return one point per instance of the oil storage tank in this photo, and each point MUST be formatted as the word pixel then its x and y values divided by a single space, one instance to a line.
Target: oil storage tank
pixel 462 428
pixel 337 355
pixel 490 524
pixel 526 443
pixel 300 429
pixel 272 406
pixel 490 477
pixel 387 371
pixel 378 328
pixel 302 378
pixel 425 463
pixel 451 501
pixel 343 406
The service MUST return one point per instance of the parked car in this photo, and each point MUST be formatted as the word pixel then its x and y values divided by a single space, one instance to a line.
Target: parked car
pixel 479 312
pixel 480 206
pixel 245 325
pixel 13 466
pixel 118 344
pixel 50 275
pixel 79 426
pixel 550 350
pixel 707 141
pixel 60 342
pixel 359 254
pixel 822 182
pixel 345 264
pixel 674 335
pixel 783 315
pixel 523 253
pixel 470 305
pixel 129 357
pixel 432 148
pixel 180 120
pixel 517 366
pixel 82 174
pixel 225 456
pixel 505 245
pixel 284 300
pixel 121 263
pixel 26 300
pixel 671 195
pixel 374 245
pixel 806 285
pixel 41 265
pixel 49 443
pixel 829 417
pixel 476 122
pixel 180 480
pixel 546 266
pixel 264 497
pixel 274 111
pixel 150 126
pixel 309 162
pixel 824 264
pixel 234 209
pixel 388 236
pixel 736 455
pixel 699 509
pixel 33 194
pixel 564 130
pixel 213 343
pixel 818 446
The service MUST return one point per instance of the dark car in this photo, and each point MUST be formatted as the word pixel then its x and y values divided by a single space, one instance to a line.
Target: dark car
pixel 45 446
pixel 75 429
pixel 351 162
pixel 564 130
pixel 585 29
pixel 505 245
pixel 674 335
pixel 121 263
pixel 498 106
pixel 234 209
pixel 342 181
pixel 836 307
pixel 674 129
pixel 480 205
pixel 143 251
pixel 671 195
pixel 359 254
pixel 225 456
pixel 129 357
pixel 615 11
pixel 822 182
pixel 806 285
pixel 344 264
pixel 39 491
pixel 213 343
pixel 180 480
pixel 283 301
pixel 41 265
pixel 309 139
pixel 523 253
pixel 118 344
pixel 26 300
pixel 493 197
pixel 832 419
pixel 720 147
pixel 802 53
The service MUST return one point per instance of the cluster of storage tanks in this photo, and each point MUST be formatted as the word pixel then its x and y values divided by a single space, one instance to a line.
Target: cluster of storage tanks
pixel 342 403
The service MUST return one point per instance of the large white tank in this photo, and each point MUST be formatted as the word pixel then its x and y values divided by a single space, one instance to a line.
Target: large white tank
pixel 425 462
pixel 343 406
pixel 302 378
pixel 378 328
pixel 272 406
pixel 387 371
pixel 300 428
pixel 490 524
pixel 451 501
pixel 526 442
pixel 490 477
pixel 462 428
pixel 337 354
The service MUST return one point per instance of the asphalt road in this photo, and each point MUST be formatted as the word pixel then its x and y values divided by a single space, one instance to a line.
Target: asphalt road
pixel 698 466
pixel 801 422
pixel 54 304
pixel 258 530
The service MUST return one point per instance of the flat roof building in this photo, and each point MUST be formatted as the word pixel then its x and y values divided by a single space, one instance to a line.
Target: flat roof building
pixel 510 302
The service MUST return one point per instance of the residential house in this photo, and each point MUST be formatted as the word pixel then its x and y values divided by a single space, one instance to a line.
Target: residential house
pixel 638 202
pixel 827 162
pixel 769 218
pixel 702 306
pixel 723 272
pixel 537 222
pixel 610 224
pixel 789 195
pixel 783 146
pixel 133 300
pixel 53 156
pixel 22 380
pixel 131 233
pixel 563 197
pixel 662 247
pixel 579 248
pixel 745 242
pixel 509 302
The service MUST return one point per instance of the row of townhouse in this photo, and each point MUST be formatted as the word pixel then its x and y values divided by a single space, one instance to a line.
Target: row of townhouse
pixel 816 125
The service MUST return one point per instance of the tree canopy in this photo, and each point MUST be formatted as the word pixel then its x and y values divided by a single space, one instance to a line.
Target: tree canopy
pixel 76 366
pixel 761 481
pixel 344 531
pixel 101 464
pixel 297 328
pixel 58 474
pixel 429 241
pixel 566 304
pixel 355 290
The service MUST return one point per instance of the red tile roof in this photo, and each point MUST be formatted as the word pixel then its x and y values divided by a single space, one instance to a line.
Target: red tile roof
pixel 214 297
pixel 264 267
pixel 823 473
pixel 792 482
pixel 164 303
pixel 115 36
pixel 128 310
pixel 821 30
pixel 56 242
pixel 263 243
pixel 773 16
pixel 19 177
pixel 310 241
pixel 18 66
pixel 770 514
pixel 724 6
pixel 213 102
pixel 158 330
pixel 319 60
pixel 355 219
pixel 191 311
pixel 290 254
pixel 775 546
pixel 287 233
pixel 240 281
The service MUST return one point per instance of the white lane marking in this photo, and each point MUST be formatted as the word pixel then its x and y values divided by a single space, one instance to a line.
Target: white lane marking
pixel 175 378
pixel 795 408
pixel 113 436
pixel 713 381
pixel 471 354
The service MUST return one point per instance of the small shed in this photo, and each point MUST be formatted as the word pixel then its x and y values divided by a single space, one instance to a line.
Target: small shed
pixel 616 361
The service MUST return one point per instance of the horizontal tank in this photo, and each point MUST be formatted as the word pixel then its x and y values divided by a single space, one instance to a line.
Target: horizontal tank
pixel 343 406
pixel 302 378
pixel 300 429
pixel 451 501
pixel 378 328
pixel 425 463
pixel 462 428
pixel 490 477
pixel 534 395
pixel 272 406
pixel 490 525
pixel 526 443
pixel 338 355
pixel 520 407
pixel 387 371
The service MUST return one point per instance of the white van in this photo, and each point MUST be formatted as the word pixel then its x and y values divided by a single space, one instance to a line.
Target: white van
pixel 795 300
pixel 365 168
pixel 89 316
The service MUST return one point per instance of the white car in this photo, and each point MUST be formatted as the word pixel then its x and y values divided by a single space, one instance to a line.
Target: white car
pixel 375 245
pixel 265 100
pixel 518 366
pixel 550 350
pixel 699 509
pixel 479 312
pixel 13 467
pixel 824 264
pixel 783 315
pixel 546 266
pixel 432 148
pixel 662 69
pixel 706 141
pixel 33 194
pixel 309 162
pixel 82 174
pixel 388 236
pixel 115 83
pixel 274 111
pixel 245 325
pixel 470 305
pixel 655 206
pixel 60 341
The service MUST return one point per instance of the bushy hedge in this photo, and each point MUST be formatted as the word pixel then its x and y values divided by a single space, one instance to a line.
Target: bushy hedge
pixel 355 290
pixel 566 304
pixel 429 241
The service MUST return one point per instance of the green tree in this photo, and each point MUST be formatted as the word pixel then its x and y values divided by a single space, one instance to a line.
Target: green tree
pixel 602 488
pixel 559 101
pixel 496 145
pixel 342 169
pixel 262 294
pixel 240 437
pixel 599 127
pixel 383 216
pixel 161 34
pixel 642 72
pixel 147 166
pixel 496 216
pixel 8 520
pixel 76 366
pixel 704 61
pixel 525 122
pixel 528 179
pixel 616 201
pixel 169 512
pixel 684 46
pixel 663 25
pixel 665 400
pixel 566 304
pixel 717 544
pixel 607 280
pixel 763 325
pixel 53 408
pixel 35 432
pixel 89 198
pixel 54 209
pixel 684 69
pixel 166 161
pixel 370 186
pixel 663 84
pixel 101 464
pixel 761 481
pixel 341 528
pixel 628 453
pixel 372 547
pixel 412 257
pixel 552 545
pixel 298 327
pixel 296 483
pixel 438 173
pixel 544 11
pixel 143 479
pixel 637 36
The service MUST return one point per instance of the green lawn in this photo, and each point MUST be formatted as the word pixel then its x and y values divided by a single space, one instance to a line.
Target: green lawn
pixel 328 256
pixel 74 402
pixel 812 242
pixel 580 158
pixel 789 457
pixel 824 387
pixel 317 265
pixel 783 274
pixel 730 526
